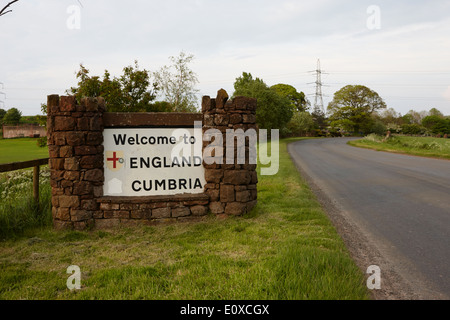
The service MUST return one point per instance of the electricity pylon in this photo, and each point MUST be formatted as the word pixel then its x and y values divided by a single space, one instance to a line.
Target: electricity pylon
pixel 318 102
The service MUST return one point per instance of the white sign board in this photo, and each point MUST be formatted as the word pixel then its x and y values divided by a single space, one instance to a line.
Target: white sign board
pixel 147 162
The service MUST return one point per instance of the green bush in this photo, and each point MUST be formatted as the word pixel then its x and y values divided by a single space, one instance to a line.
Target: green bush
pixel 413 129
pixel 379 128
pixel 42 142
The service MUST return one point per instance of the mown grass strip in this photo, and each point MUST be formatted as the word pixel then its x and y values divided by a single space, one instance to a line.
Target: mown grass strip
pixel 21 149
pixel 285 249
pixel 417 146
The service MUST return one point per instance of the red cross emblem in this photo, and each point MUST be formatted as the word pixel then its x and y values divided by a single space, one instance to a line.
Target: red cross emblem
pixel 114 160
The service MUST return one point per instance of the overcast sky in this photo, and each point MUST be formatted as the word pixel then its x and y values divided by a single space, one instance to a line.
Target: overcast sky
pixel 401 48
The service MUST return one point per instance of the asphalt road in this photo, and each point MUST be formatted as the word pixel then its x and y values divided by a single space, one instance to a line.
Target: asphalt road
pixel 400 203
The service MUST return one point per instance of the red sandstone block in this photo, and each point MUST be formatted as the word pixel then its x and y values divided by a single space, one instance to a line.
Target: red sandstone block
pixel 82 188
pixel 221 119
pixel 206 104
pixel 94 138
pixel 213 175
pixel 75 138
pixel 129 206
pixel 109 206
pixel 227 193
pixel 66 151
pixel 90 205
pixel 71 164
pixel 180 212
pixel 91 162
pixel 69 201
pixel 249 118
pixel 91 104
pixel 52 103
pixel 80 215
pixel 96 123
pixel 66 183
pixel 83 124
pixel 213 194
pixel 97 214
pixel 237 177
pixel 64 124
pixel 243 196
pixel 235 118
pixel 141 214
pixel 67 104
pixel 62 214
pixel 117 214
pixel 56 164
pixel 199 210
pixel 236 208
pixel 216 207
pixel 221 99
pixel 161 213
pixel 98 191
pixel 62 225
pixel 53 151
pixel 85 150
pixel 59 138
pixel 83 225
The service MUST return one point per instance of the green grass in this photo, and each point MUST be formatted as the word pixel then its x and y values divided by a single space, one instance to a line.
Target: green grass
pixel 23 149
pixel 418 146
pixel 286 248
pixel 18 210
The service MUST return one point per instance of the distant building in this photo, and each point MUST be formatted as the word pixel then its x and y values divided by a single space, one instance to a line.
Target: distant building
pixel 23 131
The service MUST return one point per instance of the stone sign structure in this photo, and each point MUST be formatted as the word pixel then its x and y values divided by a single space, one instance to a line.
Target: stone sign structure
pixel 111 169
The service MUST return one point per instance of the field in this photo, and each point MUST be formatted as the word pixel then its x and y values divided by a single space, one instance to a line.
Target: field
pixel 285 249
pixel 23 149
pixel 418 146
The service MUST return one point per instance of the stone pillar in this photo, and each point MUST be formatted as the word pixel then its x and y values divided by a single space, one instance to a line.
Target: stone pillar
pixel 75 137
pixel 231 187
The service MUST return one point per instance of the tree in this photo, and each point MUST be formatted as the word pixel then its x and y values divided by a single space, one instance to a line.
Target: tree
pixel 414 117
pixel 3 11
pixel 42 118
pixel 12 116
pixel 435 112
pixel 131 92
pixel 355 104
pixel 2 114
pixel 298 99
pixel 437 124
pixel 274 111
pixel 177 83
pixel 390 116
pixel 301 123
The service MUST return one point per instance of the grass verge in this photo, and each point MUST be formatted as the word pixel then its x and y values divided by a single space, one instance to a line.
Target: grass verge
pixel 285 249
pixel 23 149
pixel 417 146
pixel 18 210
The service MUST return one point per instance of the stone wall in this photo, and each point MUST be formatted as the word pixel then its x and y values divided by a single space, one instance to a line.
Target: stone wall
pixel 20 131
pixel 75 137
pixel 231 187
pixel 75 140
